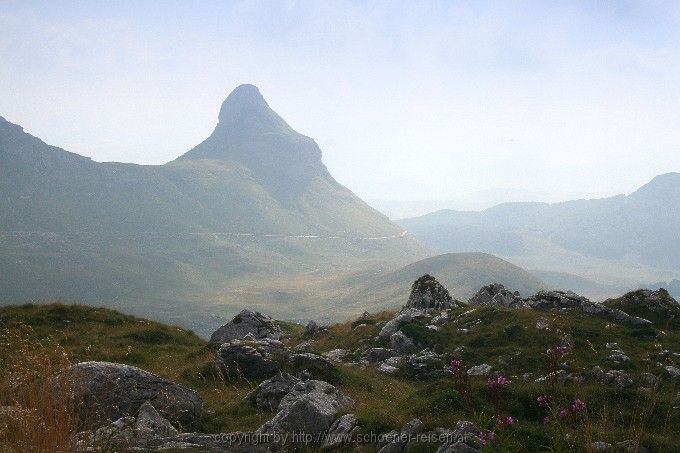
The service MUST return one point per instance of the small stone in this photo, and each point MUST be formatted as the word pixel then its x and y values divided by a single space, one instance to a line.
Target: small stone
pixel 388 369
pixel 479 370
pixel 672 371
pixel 542 324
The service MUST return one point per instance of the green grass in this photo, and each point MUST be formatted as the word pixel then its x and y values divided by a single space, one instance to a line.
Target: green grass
pixel 506 339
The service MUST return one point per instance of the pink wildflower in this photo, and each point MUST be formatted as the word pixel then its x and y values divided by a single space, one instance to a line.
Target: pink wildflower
pixel 578 405
pixel 487 437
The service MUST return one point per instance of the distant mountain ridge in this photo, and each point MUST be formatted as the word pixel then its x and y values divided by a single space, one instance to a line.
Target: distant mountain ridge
pixel 639 228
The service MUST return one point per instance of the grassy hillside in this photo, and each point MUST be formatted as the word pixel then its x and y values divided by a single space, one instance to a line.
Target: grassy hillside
pixel 462 273
pixel 507 340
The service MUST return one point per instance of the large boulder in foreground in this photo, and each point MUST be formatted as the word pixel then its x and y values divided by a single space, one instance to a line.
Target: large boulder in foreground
pixel 247 323
pixel 241 359
pixel 428 294
pixel 268 394
pixel 109 391
pixel 310 408
pixel 495 295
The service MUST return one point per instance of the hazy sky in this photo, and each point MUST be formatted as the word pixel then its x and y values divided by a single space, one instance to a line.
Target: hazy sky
pixel 407 100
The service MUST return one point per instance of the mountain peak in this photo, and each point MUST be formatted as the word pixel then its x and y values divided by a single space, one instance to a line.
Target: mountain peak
pixel 245 99
pixel 251 133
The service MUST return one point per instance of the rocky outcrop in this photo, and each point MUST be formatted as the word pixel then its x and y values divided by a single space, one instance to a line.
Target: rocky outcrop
pixel 247 323
pixel 238 359
pixel 658 306
pixel 428 294
pixel 399 441
pixel 427 364
pixel 495 295
pixel 672 371
pixel 310 408
pixel 374 355
pixel 268 394
pixel 311 362
pixel 479 370
pixel 110 391
pixel 567 300
pixel 401 344
pixel 336 355
pixel 341 432
pixel 405 316
pixel 463 438
pixel 613 378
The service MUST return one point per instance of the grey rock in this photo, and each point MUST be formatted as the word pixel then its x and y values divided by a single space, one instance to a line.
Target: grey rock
pixel 650 379
pixel 457 447
pixel 542 324
pixel 619 358
pixel 613 378
pixel 479 370
pixel 427 364
pixel 374 355
pixel 237 442
pixel 598 446
pixel 672 371
pixel 401 441
pixel 495 295
pixel 238 359
pixel 110 391
pixel 336 355
pixel 387 369
pixel 428 294
pixel 245 323
pixel 394 361
pixel 127 432
pixel 312 329
pixel 401 344
pixel 311 361
pixel 310 407
pixel 440 319
pixel 630 446
pixel 462 439
pixel 268 394
pixel 341 432
pixel 304 346
pixel 150 424
pixel 405 316
pixel 568 300
pixel 118 434
pixel 560 377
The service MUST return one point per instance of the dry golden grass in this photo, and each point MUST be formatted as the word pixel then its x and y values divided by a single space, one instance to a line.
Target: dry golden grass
pixel 35 417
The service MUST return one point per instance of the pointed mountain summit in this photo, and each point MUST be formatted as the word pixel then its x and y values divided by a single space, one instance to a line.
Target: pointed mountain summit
pixel 250 133
pixel 254 174
pixel 250 217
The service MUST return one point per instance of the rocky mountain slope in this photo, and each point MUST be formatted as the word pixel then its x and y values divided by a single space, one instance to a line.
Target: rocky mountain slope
pixel 552 371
